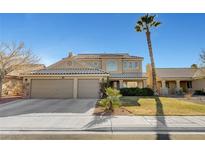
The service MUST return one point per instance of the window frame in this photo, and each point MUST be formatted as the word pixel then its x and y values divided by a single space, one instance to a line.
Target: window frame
pixel 108 65
pixel 134 65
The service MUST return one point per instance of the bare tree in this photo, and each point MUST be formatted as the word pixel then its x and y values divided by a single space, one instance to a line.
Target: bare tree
pixel 12 56
pixel 202 57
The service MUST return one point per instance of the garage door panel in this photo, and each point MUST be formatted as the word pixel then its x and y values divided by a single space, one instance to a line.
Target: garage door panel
pixel 52 89
pixel 88 88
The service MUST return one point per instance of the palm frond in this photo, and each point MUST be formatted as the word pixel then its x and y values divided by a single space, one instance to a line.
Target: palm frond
pixel 140 23
pixel 157 24
pixel 146 22
pixel 150 19
pixel 144 19
pixel 138 28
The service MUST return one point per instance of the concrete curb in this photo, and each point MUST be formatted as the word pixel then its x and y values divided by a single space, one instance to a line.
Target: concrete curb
pixel 109 129
pixel 90 135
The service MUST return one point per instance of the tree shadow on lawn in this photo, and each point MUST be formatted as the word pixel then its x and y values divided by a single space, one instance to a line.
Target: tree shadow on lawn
pixel 160 120
pixel 129 102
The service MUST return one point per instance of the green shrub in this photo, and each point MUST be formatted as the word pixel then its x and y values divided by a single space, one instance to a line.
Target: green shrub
pixel 136 91
pixel 147 92
pixel 199 92
pixel 104 103
pixel 112 99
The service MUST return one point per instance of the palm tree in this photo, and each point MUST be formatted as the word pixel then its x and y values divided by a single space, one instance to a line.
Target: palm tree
pixel 144 24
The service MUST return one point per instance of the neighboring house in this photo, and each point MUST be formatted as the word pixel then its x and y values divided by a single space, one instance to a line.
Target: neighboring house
pixel 13 82
pixel 78 76
pixel 175 80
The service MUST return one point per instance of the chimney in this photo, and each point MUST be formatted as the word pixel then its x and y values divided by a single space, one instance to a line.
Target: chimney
pixel 70 54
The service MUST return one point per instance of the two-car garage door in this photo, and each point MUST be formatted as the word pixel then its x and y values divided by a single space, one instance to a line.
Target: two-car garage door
pixel 52 89
pixel 44 88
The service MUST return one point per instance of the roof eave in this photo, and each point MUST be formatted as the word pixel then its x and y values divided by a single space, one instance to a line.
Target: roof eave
pixel 72 75
pixel 183 78
pixel 198 78
pixel 126 78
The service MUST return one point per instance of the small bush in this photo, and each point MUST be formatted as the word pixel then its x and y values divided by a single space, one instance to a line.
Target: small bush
pixel 147 92
pixel 129 91
pixel 112 99
pixel 136 91
pixel 104 103
pixel 199 92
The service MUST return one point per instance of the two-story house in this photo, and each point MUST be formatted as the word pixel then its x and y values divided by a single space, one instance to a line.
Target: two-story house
pixel 78 76
pixel 124 70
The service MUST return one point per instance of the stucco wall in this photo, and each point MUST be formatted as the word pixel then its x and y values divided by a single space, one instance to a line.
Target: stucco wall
pixel 12 87
pixel 81 62
pixel 198 84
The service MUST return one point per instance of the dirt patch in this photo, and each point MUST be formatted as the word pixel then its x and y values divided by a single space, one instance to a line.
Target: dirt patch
pixel 9 99
pixel 100 111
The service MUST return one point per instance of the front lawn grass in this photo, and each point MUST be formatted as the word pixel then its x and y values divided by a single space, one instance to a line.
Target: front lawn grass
pixel 161 106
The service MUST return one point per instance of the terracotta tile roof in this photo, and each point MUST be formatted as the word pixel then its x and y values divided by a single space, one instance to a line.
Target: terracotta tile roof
pixel 105 54
pixel 127 75
pixel 100 55
pixel 68 71
pixel 175 72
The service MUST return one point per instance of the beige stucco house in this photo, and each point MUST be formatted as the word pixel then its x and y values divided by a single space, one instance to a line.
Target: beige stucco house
pixel 78 76
pixel 171 81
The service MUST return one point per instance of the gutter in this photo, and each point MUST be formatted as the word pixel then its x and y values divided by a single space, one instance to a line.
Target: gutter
pixel 55 75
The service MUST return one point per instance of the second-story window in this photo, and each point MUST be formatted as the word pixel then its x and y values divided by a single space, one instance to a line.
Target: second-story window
pixel 130 65
pixel 111 65
pixel 94 64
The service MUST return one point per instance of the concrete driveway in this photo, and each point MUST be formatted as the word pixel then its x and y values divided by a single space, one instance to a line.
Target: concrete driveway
pixel 47 106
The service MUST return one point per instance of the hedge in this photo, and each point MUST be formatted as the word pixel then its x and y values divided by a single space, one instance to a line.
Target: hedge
pixel 136 92
pixel 199 92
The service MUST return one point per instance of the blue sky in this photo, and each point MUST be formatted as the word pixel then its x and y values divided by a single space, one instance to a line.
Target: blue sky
pixel 176 43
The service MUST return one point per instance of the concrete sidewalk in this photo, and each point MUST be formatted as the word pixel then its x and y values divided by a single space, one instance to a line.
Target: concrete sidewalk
pixel 76 122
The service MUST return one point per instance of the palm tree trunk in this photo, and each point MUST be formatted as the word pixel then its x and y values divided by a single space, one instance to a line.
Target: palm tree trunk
pixel 1 84
pixel 111 106
pixel 154 82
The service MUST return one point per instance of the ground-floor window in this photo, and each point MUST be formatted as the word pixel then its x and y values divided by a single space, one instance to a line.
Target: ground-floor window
pixel 132 84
